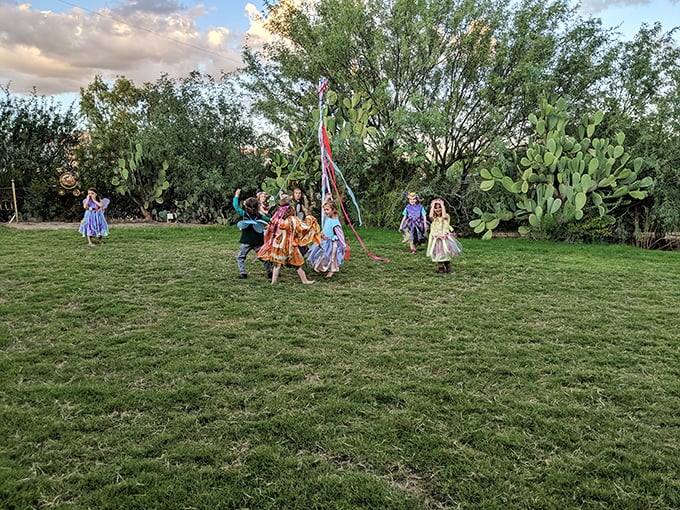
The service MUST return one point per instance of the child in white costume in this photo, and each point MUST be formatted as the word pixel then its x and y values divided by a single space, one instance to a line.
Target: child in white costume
pixel 442 244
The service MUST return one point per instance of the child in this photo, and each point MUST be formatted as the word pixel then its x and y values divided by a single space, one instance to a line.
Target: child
pixel 262 202
pixel 330 255
pixel 442 245
pixel 283 238
pixel 94 222
pixel 300 204
pixel 413 222
pixel 252 232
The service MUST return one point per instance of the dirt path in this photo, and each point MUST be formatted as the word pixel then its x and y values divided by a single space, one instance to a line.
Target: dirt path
pixel 59 225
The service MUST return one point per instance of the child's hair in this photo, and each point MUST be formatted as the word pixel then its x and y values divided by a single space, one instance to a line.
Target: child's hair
pixel 442 212
pixel 331 203
pixel 250 206
pixel 303 197
pixel 413 194
pixel 92 189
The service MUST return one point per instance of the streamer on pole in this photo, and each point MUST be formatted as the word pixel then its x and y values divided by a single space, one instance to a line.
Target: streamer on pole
pixel 329 171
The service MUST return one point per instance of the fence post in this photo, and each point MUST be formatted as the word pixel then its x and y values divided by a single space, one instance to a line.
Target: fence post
pixel 14 198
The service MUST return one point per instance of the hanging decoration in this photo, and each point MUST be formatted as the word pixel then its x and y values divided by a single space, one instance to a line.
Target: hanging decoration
pixel 330 172
pixel 68 176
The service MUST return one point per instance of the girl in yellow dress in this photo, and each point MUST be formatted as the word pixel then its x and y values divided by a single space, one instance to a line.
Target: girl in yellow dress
pixel 442 244
pixel 284 236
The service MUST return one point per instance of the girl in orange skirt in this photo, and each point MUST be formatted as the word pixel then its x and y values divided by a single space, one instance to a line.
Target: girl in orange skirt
pixel 283 238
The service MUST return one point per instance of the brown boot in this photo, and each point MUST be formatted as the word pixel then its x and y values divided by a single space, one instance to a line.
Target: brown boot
pixel 447 267
pixel 440 268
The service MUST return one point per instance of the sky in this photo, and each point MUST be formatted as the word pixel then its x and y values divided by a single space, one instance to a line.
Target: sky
pixel 59 46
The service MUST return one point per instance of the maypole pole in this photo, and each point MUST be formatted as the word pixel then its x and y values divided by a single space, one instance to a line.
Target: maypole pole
pixel 324 146
pixel 329 170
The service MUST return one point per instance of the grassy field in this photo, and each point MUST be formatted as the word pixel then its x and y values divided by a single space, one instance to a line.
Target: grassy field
pixel 142 374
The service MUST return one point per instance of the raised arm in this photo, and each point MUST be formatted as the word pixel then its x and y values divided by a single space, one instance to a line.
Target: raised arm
pixel 234 202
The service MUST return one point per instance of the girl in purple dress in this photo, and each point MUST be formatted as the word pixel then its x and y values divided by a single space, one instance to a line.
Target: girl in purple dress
pixel 414 222
pixel 94 223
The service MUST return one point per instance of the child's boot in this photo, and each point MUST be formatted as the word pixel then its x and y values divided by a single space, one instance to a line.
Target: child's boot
pixel 440 268
pixel 447 267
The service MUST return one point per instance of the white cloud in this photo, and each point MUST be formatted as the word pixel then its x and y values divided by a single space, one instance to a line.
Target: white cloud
pixel 597 6
pixel 60 52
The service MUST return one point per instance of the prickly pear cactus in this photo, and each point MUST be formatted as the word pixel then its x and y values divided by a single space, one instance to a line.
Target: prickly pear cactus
pixel 562 178
pixel 344 118
pixel 141 179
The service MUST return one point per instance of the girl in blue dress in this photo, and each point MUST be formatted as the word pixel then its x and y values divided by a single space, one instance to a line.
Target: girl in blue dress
pixel 94 222
pixel 333 250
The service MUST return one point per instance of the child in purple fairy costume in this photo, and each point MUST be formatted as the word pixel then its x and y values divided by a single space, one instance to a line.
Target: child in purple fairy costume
pixel 414 222
pixel 442 245
pixel 94 222
pixel 333 250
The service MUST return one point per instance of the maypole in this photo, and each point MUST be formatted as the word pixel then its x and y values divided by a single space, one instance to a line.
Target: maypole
pixel 329 171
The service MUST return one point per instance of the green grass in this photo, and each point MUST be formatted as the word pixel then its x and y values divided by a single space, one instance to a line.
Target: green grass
pixel 143 374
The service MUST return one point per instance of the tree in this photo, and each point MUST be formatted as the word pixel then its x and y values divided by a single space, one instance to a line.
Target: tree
pixel 113 114
pixel 450 80
pixel 37 140
pixel 202 128
pixel 193 132
pixel 644 102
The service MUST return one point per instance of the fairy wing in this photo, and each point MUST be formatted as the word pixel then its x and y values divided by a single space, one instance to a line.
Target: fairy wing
pixel 105 203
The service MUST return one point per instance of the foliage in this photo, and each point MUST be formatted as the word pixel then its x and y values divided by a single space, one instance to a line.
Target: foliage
pixel 113 115
pixel 197 126
pixel 172 382
pixel 37 140
pixel 667 196
pixel 300 169
pixel 449 81
pixel 346 120
pixel 142 179
pixel 593 230
pixel 202 128
pixel 562 178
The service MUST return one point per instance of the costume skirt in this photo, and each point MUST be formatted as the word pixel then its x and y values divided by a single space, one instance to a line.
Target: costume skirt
pixel 321 258
pixel 414 231
pixel 94 224
pixel 443 248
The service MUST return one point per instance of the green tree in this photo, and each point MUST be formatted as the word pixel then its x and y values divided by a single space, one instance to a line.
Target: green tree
pixel 113 115
pixel 195 134
pixel 37 140
pixel 644 102
pixel 203 129
pixel 450 81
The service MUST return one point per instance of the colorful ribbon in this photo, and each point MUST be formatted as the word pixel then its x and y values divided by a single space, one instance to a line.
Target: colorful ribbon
pixel 328 175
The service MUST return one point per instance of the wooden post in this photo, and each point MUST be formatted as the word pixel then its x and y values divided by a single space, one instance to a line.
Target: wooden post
pixel 14 198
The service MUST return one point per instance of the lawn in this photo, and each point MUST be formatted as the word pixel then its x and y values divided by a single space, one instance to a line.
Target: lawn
pixel 143 374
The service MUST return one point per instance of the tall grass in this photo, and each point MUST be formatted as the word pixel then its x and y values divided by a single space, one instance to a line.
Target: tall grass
pixel 143 374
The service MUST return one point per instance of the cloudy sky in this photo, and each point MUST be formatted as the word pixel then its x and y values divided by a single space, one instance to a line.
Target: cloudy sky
pixel 58 46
